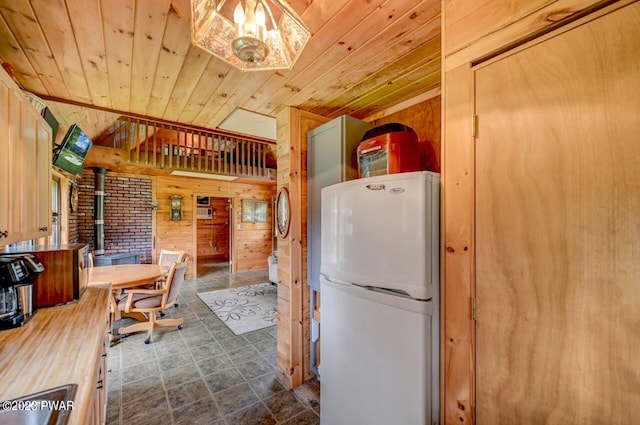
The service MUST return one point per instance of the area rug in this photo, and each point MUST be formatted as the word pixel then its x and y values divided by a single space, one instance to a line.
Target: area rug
pixel 244 309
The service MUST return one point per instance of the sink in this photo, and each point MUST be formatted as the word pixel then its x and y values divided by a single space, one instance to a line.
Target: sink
pixel 48 407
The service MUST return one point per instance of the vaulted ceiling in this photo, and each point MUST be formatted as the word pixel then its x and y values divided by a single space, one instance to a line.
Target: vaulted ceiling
pixel 93 60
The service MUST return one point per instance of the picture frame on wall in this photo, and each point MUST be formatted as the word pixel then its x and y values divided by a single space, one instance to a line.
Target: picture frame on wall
pixel 255 211
pixel 203 201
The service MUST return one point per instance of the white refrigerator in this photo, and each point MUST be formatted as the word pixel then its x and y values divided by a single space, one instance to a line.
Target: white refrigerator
pixel 379 278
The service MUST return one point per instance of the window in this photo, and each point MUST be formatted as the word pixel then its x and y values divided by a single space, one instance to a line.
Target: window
pixel 54 238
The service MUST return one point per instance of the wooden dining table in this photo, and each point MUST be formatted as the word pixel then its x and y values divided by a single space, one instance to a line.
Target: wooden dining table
pixel 124 276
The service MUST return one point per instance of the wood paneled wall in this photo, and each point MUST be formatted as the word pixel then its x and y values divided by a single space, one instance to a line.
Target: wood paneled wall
pixel 293 293
pixel 253 241
pixel 183 234
pixel 473 31
pixel 424 119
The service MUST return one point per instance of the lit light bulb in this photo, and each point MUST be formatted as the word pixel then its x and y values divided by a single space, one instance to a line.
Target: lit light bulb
pixel 238 18
pixel 260 22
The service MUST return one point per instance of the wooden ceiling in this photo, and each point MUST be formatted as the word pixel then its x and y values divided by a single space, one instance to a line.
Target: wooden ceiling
pixel 135 57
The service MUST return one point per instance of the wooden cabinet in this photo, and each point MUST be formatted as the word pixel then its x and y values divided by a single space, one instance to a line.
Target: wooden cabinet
pixel 65 273
pixel 25 162
pixel 99 406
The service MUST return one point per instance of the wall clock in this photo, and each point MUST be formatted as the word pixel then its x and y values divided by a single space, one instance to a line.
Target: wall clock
pixel 282 212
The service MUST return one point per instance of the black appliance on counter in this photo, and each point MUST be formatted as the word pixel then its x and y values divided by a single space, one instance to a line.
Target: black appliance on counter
pixel 17 274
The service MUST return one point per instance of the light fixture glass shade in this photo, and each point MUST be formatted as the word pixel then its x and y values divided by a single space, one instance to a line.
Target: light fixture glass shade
pixel 213 29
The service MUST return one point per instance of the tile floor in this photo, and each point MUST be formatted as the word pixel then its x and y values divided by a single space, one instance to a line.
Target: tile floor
pixel 204 374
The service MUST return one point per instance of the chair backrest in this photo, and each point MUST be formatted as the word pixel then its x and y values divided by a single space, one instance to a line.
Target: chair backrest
pixel 174 281
pixel 167 257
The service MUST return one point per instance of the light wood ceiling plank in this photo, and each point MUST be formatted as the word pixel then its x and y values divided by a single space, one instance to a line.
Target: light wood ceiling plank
pixel 62 42
pixel 23 24
pixel 175 44
pixel 425 84
pixel 212 77
pixel 244 91
pixel 150 23
pixel 361 81
pixel 395 17
pixel 192 71
pixel 332 24
pixel 65 118
pixel 300 6
pixel 118 26
pixel 233 81
pixel 86 20
pixel 11 53
pixel 415 80
pixel 93 122
pixel 387 94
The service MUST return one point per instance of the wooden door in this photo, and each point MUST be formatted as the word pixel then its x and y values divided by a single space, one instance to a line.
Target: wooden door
pixel 558 228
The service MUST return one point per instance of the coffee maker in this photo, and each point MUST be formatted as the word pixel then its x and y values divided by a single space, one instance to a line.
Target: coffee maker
pixel 17 274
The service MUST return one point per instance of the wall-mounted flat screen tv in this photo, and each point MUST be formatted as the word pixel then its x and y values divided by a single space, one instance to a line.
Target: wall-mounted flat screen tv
pixel 71 153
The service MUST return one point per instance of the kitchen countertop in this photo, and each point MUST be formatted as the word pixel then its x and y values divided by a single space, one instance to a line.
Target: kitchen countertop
pixel 58 346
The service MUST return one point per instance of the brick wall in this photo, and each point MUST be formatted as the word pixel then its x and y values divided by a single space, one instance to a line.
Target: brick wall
pixel 128 217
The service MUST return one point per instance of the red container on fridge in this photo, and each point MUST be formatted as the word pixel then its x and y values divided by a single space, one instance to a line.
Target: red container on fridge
pixel 388 149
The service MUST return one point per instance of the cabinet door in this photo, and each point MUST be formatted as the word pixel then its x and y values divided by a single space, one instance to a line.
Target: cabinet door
pixel 16 178
pixel 43 177
pixel 28 172
pixel 557 228
pixel 5 150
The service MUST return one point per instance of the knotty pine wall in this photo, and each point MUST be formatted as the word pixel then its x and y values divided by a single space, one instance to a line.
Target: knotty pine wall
pixel 182 234
pixel 293 366
pixel 424 118
pixel 254 241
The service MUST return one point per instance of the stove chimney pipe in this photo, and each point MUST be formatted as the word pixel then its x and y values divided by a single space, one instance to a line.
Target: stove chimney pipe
pixel 98 210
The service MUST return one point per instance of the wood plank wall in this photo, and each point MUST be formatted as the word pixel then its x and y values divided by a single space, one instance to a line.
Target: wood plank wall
pixel 473 31
pixel 293 293
pixel 424 119
pixel 253 241
pixel 183 234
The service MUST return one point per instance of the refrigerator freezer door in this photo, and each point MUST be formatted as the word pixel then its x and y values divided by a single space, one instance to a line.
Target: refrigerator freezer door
pixel 376 358
pixel 384 231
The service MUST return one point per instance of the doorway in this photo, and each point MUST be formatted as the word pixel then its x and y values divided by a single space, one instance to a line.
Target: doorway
pixel 213 234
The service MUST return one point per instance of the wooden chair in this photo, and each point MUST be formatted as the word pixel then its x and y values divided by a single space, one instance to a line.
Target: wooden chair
pixel 167 258
pixel 89 260
pixel 152 301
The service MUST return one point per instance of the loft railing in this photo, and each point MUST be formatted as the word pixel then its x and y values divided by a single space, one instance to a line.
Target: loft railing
pixel 175 147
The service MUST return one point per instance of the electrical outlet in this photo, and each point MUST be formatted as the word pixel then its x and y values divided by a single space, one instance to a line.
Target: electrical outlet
pixel 239 227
